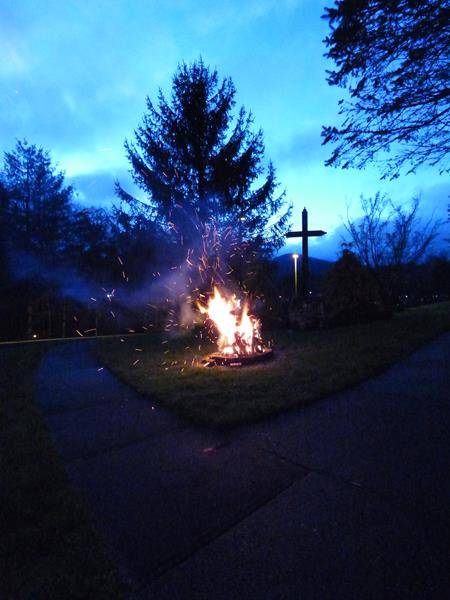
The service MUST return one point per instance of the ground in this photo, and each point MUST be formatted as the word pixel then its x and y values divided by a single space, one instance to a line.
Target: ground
pixel 307 366
pixel 48 542
pixel 346 498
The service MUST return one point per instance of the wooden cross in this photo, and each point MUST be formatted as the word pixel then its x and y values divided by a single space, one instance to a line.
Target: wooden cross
pixel 305 234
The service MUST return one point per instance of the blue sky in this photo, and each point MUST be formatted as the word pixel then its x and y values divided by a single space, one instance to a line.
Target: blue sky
pixel 74 76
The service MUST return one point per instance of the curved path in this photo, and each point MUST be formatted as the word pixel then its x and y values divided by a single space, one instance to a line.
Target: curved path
pixel 348 498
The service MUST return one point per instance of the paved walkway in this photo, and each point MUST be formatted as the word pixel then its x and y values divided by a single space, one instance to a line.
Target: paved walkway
pixel 348 498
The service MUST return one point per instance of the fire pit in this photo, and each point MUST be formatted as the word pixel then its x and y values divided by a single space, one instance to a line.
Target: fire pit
pixel 239 339
pixel 217 359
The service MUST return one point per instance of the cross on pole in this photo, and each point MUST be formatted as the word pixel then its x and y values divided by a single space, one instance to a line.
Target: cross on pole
pixel 305 234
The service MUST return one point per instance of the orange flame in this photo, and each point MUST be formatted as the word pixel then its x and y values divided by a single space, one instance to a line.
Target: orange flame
pixel 239 332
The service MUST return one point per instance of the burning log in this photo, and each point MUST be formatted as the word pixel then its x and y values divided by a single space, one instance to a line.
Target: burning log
pixel 217 359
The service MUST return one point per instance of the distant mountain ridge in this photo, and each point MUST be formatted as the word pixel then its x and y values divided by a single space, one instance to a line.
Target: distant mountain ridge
pixel 317 266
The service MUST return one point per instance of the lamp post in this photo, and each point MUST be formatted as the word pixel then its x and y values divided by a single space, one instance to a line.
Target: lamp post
pixel 295 257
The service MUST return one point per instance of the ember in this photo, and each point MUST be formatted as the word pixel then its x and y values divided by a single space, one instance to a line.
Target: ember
pixel 239 334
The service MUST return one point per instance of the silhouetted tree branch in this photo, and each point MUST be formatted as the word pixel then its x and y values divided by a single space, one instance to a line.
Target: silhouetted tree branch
pixel 392 56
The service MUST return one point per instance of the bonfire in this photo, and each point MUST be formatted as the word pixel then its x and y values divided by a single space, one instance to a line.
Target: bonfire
pixel 238 332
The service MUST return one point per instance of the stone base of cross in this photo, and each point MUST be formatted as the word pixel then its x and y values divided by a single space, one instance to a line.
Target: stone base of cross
pixel 305 234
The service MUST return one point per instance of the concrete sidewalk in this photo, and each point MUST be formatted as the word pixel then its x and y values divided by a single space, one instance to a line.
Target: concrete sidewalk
pixel 345 499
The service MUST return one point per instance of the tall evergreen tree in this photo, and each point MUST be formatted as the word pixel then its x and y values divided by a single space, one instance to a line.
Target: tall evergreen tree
pixel 36 211
pixel 196 162
pixel 39 205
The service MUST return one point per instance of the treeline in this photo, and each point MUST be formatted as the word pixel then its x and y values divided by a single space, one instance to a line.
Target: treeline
pixel 68 270
pixel 61 265
pixel 213 212
pixel 212 208
pixel 387 262
pixel 355 293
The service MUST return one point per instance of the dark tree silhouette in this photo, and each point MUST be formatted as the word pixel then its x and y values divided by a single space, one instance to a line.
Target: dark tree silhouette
pixel 59 260
pixel 140 241
pixel 350 291
pixel 196 163
pixel 35 216
pixel 91 248
pixel 392 56
pixel 387 238
pixel 39 203
pixel 4 205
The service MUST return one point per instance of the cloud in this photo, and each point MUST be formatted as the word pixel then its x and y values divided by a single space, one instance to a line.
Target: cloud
pixel 13 61
pixel 433 205
pixel 302 149
pixel 434 202
pixel 94 189
pixel 94 160
pixel 209 17
pixel 326 247
pixel 84 83
pixel 435 199
pixel 76 75
pixel 97 188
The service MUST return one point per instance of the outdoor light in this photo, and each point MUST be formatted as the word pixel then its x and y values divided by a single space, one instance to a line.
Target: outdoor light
pixel 295 257
pixel 305 234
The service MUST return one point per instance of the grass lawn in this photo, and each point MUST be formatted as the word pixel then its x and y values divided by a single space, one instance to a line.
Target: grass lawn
pixel 307 366
pixel 48 547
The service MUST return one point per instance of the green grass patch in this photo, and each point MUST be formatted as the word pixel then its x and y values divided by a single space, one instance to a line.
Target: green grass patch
pixel 307 366
pixel 48 546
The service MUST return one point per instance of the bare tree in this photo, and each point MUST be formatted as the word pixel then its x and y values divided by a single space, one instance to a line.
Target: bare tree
pixel 392 57
pixel 387 238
